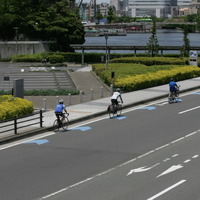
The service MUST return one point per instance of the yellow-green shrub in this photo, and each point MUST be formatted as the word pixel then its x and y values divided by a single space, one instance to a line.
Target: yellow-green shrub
pixel 142 81
pixel 11 107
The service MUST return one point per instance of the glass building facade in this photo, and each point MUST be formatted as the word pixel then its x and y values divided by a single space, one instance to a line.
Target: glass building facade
pixel 143 8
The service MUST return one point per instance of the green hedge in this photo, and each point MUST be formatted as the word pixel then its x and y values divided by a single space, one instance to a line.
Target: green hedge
pixel 48 92
pixel 132 77
pixel 131 83
pixel 11 107
pixel 151 60
pixel 60 57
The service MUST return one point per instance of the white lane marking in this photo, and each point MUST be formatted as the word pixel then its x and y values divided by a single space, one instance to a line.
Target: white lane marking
pixel 166 190
pixel 167 159
pixel 142 169
pixel 26 140
pixel 171 169
pixel 188 110
pixel 186 161
pixel 196 156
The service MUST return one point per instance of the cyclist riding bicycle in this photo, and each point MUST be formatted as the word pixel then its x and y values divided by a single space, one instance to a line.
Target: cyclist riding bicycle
pixel 173 87
pixel 60 107
pixel 116 95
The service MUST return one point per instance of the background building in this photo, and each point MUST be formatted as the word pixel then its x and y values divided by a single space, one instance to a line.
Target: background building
pixel 147 8
pixel 121 7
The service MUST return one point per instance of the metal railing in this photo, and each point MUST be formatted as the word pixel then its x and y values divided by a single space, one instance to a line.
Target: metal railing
pixel 21 122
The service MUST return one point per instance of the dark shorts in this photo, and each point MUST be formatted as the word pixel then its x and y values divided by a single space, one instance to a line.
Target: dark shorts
pixel 59 114
pixel 114 101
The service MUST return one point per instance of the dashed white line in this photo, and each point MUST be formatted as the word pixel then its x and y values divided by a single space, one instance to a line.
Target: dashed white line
pixel 167 189
pixel 189 110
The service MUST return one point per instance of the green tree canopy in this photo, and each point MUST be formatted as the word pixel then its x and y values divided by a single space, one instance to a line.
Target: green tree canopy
pixel 41 19
pixel 152 45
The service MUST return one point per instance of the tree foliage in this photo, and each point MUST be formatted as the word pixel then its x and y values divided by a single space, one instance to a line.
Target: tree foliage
pixel 152 45
pixel 111 15
pixel 185 49
pixel 41 20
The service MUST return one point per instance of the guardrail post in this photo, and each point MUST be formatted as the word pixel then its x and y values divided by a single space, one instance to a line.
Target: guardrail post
pixel 57 99
pixel 81 96
pixel 101 92
pixel 91 92
pixel 111 89
pixel 44 104
pixel 41 118
pixel 69 99
pixel 15 124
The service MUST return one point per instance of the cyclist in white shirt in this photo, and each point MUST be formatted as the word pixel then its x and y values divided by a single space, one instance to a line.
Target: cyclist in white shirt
pixel 116 95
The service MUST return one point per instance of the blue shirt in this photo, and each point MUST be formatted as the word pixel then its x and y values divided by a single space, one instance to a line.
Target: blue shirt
pixel 59 108
pixel 172 86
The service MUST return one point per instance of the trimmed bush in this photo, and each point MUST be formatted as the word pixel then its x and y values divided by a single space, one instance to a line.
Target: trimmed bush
pixel 131 83
pixel 48 92
pixel 151 60
pixel 137 76
pixel 56 59
pixel 11 107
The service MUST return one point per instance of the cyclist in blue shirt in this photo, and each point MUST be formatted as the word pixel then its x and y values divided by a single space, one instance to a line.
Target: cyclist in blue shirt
pixel 173 87
pixel 60 107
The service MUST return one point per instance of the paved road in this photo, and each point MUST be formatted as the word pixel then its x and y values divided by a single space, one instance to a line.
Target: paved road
pixel 85 162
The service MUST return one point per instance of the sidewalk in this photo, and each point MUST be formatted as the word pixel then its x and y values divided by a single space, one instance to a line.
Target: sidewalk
pixel 90 109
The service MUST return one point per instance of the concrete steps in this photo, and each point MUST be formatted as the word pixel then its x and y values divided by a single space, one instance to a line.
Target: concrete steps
pixel 39 80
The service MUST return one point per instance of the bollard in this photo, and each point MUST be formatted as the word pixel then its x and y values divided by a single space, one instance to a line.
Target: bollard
pixel 101 92
pixel 69 99
pixel 44 104
pixel 111 89
pixel 57 99
pixel 91 92
pixel 81 96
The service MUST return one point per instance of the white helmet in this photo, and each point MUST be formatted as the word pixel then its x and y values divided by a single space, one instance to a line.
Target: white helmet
pixel 60 101
pixel 118 90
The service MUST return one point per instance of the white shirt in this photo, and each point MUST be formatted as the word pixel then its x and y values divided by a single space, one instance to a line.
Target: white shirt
pixel 115 95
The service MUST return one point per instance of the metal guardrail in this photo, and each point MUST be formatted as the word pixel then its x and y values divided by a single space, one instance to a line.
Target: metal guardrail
pixel 22 121
pixel 125 47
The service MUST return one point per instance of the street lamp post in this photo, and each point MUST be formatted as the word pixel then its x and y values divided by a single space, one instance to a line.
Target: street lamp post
pixel 106 37
pixel 16 37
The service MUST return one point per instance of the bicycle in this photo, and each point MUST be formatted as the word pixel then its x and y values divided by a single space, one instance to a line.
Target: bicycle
pixel 174 96
pixel 114 109
pixel 64 122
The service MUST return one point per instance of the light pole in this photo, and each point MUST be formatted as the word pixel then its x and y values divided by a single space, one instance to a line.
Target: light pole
pixel 106 37
pixel 16 37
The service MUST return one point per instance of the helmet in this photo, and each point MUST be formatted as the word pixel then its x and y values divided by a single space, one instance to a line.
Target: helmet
pixel 118 89
pixel 60 101
pixel 172 79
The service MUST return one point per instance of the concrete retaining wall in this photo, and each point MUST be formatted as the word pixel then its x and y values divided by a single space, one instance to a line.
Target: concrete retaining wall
pixel 10 48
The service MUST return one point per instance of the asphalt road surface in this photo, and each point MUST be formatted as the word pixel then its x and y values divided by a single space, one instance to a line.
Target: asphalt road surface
pixel 150 152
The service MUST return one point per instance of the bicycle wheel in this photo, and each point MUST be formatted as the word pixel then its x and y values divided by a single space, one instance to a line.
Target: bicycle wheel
pixel 111 111
pixel 56 126
pixel 119 110
pixel 65 123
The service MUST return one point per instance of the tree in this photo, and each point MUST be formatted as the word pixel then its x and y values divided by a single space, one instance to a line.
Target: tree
pixel 110 16
pixel 152 45
pixel 185 49
pixel 198 20
pixel 41 19
pixel 99 16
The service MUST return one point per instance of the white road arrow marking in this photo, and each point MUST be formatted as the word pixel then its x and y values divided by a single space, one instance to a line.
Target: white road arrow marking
pixel 171 169
pixel 141 169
